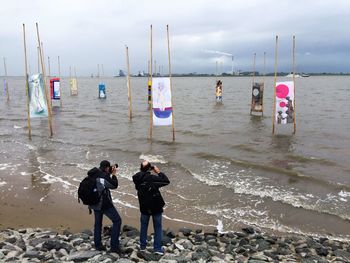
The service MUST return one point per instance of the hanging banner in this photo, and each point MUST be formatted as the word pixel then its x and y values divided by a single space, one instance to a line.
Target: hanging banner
pixel 101 91
pixel 257 97
pixel 55 89
pixel 162 108
pixel 37 101
pixel 149 92
pixel 284 102
pixel 73 86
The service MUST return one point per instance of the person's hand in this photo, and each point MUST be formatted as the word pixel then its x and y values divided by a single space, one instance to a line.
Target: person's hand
pixel 156 169
pixel 114 170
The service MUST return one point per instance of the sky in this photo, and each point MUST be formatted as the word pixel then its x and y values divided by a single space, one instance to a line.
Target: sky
pixel 85 33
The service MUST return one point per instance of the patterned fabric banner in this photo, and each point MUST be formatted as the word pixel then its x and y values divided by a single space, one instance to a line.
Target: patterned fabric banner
pixel 37 100
pixel 284 102
pixel 73 86
pixel 162 108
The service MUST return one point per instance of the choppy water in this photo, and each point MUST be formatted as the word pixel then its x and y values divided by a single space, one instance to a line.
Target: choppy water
pixel 225 166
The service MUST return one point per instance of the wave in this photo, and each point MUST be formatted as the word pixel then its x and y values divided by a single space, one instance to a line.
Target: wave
pixel 153 158
pixel 186 222
pixel 269 168
pixel 2 183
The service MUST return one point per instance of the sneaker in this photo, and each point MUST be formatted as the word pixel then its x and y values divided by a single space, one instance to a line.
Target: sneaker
pixel 101 248
pixel 161 252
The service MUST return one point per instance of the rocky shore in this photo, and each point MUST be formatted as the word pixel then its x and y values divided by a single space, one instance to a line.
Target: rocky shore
pixel 249 245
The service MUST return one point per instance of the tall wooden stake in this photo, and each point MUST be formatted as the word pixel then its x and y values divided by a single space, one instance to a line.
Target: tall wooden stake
pixel 274 90
pixel 128 83
pixel 38 51
pixel 216 71
pixel 6 82
pixel 27 84
pixel 262 106
pixel 171 85
pixel 294 113
pixel 49 65
pixel 98 70
pixel 254 68
pixel 59 76
pixel 45 82
pixel 151 106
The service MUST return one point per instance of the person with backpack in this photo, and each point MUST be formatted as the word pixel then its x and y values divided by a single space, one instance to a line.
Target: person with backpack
pixel 105 178
pixel 147 183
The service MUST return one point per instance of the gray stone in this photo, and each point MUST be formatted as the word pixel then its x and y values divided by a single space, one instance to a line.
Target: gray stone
pixel 148 256
pixel 185 231
pixel 259 257
pixel 87 232
pixel 132 233
pixel 81 256
pixel 166 241
pixel 34 254
pixel 57 245
pixel 322 251
pixel 249 230
pixel 343 254
pixel 263 245
pixel 201 254
pixel 124 260
pixel 244 241
pixel 2 255
pixel 77 241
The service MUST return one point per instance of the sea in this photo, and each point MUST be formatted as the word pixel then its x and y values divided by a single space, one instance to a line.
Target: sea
pixel 226 168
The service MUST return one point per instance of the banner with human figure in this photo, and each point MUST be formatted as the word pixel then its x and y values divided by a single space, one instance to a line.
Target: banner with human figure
pixel 161 98
pixel 55 89
pixel 101 91
pixel 37 99
pixel 284 102
pixel 257 97
pixel 73 86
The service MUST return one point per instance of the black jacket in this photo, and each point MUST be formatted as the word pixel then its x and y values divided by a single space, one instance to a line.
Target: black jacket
pixel 147 185
pixel 104 182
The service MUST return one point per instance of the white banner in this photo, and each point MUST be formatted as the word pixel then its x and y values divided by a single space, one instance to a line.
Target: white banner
pixel 162 108
pixel 73 86
pixel 37 99
pixel 284 102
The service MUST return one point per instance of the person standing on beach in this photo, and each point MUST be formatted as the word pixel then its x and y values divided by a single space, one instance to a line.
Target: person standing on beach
pixel 106 179
pixel 147 183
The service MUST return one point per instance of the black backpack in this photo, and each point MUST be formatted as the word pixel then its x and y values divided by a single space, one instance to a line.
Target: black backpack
pixel 87 191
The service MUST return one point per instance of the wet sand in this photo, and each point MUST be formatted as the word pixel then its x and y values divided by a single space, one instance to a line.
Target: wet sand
pixel 23 208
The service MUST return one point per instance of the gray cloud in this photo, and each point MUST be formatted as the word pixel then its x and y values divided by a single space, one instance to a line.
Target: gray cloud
pixel 85 33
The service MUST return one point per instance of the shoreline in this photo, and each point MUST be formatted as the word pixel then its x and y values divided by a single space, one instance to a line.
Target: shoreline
pixel 187 245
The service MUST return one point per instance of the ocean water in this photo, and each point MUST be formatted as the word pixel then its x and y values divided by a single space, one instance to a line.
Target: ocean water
pixel 226 168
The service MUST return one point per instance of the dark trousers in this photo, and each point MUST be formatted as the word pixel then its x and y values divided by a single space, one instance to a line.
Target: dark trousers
pixel 113 215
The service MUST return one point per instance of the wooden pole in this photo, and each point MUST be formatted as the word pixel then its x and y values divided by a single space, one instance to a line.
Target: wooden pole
pixel 274 90
pixel 294 113
pixel 45 82
pixel 151 106
pixel 98 70
pixel 251 103
pixel 262 99
pixel 254 68
pixel 216 71
pixel 27 84
pixel 6 82
pixel 128 82
pixel 171 85
pixel 59 76
pixel 38 50
pixel 48 62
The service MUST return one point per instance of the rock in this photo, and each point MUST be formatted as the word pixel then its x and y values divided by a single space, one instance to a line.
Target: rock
pixel 179 247
pixel 213 243
pixel 322 251
pixel 87 232
pixel 124 260
pixel 259 258
pixel 244 241
pixel 201 254
pixel 170 234
pixel 57 245
pixel 148 256
pixel 132 233
pixel 127 228
pixel 198 239
pixel 166 241
pixel 342 254
pixel 34 254
pixel 263 245
pixel 81 256
pixel 67 232
pixel 185 231
pixel 249 230
pixel 77 241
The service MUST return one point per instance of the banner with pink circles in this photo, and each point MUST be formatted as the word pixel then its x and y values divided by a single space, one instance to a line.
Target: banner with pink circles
pixel 284 102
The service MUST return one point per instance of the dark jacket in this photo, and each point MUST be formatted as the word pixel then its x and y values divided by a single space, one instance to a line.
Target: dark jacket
pixel 147 185
pixel 104 182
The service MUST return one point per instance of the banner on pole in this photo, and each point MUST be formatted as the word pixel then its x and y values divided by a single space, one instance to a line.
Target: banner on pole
pixel 55 88
pixel 37 101
pixel 257 97
pixel 73 86
pixel 284 102
pixel 101 91
pixel 162 108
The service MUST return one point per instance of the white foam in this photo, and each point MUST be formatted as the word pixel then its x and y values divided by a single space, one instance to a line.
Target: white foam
pixel 25 173
pixel 220 227
pixel 124 203
pixel 87 156
pixel 2 183
pixel 17 127
pixel 187 222
pixel 344 193
pixel 153 158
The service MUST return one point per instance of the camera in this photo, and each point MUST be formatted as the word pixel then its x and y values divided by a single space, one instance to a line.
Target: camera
pixel 111 167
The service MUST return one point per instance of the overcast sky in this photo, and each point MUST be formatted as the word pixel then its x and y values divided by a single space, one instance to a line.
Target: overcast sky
pixel 85 33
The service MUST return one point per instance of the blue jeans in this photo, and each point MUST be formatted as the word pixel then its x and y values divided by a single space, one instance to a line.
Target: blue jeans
pixel 113 215
pixel 158 231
